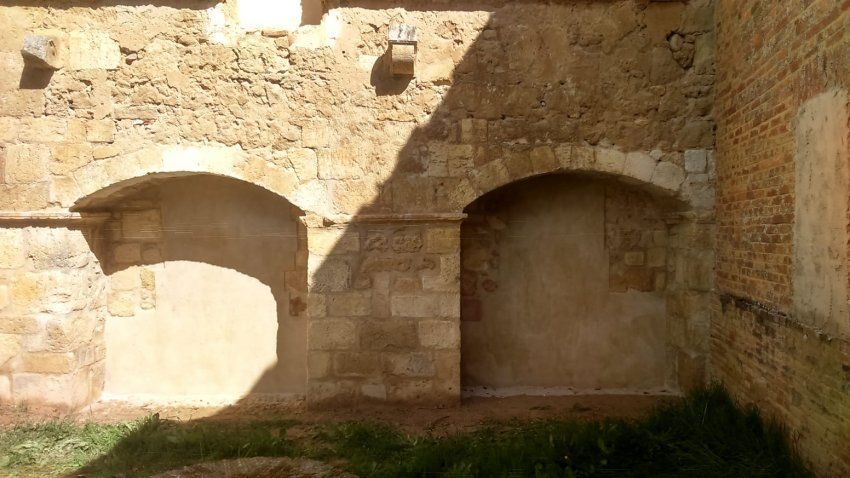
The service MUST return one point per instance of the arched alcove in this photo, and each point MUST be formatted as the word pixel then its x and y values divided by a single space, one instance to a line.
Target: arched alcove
pixel 564 288
pixel 204 297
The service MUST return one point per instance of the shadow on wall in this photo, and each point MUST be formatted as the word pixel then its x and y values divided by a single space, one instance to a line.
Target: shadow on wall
pixel 525 81
pixel 563 289
pixel 204 293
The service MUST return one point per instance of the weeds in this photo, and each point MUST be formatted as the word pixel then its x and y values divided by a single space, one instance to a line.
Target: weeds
pixel 705 435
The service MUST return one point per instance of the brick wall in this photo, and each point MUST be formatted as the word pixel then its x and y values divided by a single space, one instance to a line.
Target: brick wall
pixel 773 57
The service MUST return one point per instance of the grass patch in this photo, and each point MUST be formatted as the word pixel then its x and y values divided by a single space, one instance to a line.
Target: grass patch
pixel 705 435
pixel 134 449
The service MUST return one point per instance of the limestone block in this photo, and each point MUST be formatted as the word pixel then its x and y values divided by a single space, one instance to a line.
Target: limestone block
pixel 68 157
pixel 583 158
pixel 318 134
pixel 696 160
pixel 410 365
pixel 432 305
pixel 57 248
pixel 318 364
pixel 63 390
pixel 304 162
pixel 410 390
pixel 4 296
pixel 46 362
pixel 50 292
pixel 332 334
pixel 564 155
pixel 10 347
pixel 123 303
pixel 439 334
pixel 20 325
pixel 331 391
pixel 22 102
pixel 699 191
pixel 639 165
pixel 491 176
pixel 43 130
pixel 63 190
pixel 328 241
pixel 668 176
pixel 610 160
pixel 407 241
pixel 27 163
pixel 9 129
pixel 442 240
pixel 447 278
pixel 12 251
pixel 402 59
pixel 349 304
pixel 473 130
pixel 91 50
pixel 543 160
pixel 377 391
pixel 518 164
pixel 65 334
pixel 325 274
pixel 44 51
pixel 125 279
pixel 389 335
pixel 100 131
pixel 357 364
pixel 316 305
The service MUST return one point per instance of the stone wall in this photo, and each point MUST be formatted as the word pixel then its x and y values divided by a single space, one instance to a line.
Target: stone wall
pixel 381 166
pixel 779 329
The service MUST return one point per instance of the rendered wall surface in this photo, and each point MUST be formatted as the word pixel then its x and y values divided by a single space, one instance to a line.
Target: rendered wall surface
pixel 380 168
pixel 779 329
pixel 563 287
pixel 206 309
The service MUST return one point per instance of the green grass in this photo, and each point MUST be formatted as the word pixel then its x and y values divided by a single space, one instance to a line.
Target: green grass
pixel 705 435
pixel 134 449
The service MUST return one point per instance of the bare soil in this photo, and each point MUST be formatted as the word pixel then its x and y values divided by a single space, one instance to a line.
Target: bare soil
pixel 473 412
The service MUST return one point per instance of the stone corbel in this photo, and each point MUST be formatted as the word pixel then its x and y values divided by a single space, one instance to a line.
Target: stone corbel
pixel 402 52
pixel 44 51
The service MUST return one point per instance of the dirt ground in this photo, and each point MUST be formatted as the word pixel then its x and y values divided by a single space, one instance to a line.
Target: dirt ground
pixel 441 420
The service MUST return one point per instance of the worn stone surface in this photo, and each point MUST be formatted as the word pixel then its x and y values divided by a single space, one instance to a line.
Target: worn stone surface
pixel 379 169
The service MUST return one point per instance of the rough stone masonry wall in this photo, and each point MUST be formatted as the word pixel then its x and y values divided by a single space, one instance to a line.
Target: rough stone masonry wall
pixel 780 326
pixel 503 91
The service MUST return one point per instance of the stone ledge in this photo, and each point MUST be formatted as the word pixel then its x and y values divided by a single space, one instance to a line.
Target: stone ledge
pixel 400 217
pixel 12 218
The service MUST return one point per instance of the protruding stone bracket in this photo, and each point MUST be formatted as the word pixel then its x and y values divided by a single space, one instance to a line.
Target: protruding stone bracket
pixel 402 53
pixel 43 52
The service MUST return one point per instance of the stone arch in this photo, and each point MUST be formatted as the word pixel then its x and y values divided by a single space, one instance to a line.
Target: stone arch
pixel 652 171
pixel 667 286
pixel 204 279
pixel 105 178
